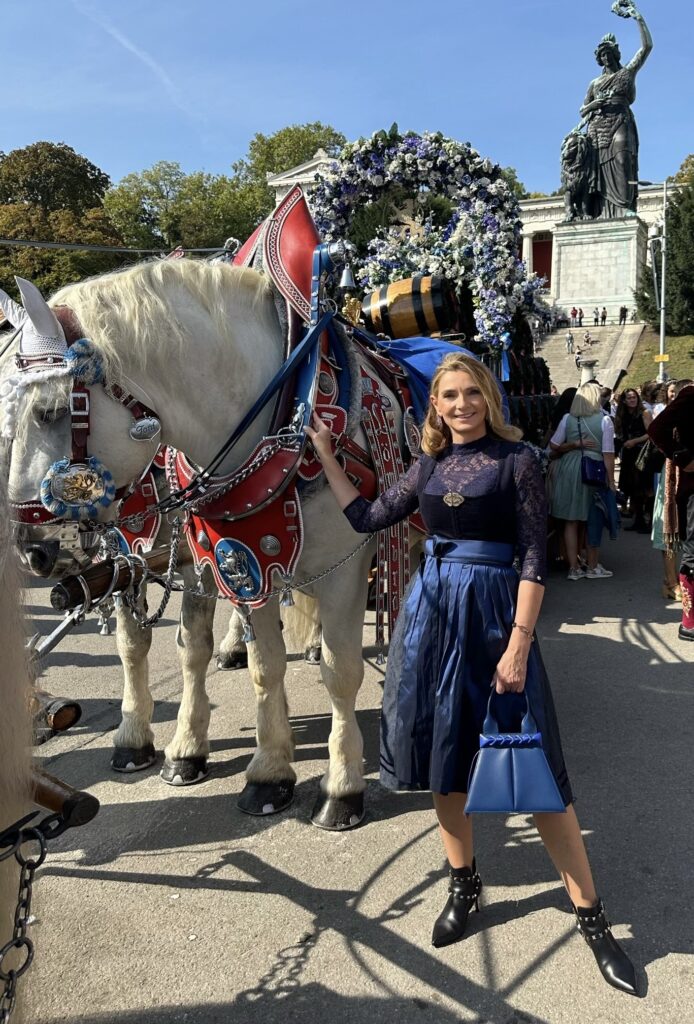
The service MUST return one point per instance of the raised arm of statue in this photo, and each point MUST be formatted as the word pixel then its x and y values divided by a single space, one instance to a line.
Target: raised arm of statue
pixel 627 9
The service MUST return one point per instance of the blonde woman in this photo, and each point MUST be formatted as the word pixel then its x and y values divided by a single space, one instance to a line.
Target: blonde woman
pixel 467 625
pixel 585 430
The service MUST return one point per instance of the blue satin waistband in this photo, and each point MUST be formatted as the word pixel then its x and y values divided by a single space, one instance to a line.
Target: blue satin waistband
pixel 475 552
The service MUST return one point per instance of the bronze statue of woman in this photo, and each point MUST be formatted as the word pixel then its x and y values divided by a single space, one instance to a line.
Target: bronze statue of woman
pixel 610 123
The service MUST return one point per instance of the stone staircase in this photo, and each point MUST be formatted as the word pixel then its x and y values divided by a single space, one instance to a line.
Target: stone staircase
pixel 612 348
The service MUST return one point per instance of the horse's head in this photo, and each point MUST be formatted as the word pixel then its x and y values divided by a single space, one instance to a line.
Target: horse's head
pixel 69 446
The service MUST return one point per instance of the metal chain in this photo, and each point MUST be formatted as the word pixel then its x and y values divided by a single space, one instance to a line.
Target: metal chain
pixel 216 491
pixel 133 598
pixel 20 940
pixel 182 589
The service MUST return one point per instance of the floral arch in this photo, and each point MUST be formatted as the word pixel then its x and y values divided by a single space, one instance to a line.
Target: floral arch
pixel 479 245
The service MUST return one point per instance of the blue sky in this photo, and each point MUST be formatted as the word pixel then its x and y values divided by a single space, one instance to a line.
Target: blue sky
pixel 130 82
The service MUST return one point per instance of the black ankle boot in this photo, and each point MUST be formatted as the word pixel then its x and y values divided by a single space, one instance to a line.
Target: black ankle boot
pixel 615 966
pixel 464 889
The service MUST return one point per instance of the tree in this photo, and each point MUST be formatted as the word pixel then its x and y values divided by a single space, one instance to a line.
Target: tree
pixel 685 175
pixel 163 207
pixel 514 182
pixel 49 269
pixel 271 154
pixel 51 176
pixel 50 193
pixel 286 148
pixel 679 287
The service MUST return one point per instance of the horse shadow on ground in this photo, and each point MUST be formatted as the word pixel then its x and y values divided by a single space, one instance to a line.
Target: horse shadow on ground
pixel 303 1004
pixel 280 995
pixel 627 754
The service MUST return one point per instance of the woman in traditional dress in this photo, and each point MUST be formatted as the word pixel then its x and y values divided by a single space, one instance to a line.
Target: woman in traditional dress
pixel 611 127
pixel 631 423
pixel 664 527
pixel 467 625
pixel 585 431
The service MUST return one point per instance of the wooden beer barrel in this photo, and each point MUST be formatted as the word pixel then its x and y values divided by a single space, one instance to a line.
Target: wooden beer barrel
pixel 415 306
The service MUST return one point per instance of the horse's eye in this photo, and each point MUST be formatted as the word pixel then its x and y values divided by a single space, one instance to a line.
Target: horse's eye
pixel 51 415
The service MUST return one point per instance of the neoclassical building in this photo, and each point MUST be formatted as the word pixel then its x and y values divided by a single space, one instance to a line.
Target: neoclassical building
pixel 585 263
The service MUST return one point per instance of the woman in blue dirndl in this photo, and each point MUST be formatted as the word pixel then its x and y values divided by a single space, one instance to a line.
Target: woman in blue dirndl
pixel 467 625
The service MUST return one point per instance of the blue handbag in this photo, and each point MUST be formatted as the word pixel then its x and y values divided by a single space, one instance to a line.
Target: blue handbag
pixel 510 773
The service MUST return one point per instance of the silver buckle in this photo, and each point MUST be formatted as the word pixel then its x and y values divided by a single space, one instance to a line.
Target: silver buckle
pixel 81 396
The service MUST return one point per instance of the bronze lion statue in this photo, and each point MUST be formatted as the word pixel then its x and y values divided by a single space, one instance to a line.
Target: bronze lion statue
pixel 577 163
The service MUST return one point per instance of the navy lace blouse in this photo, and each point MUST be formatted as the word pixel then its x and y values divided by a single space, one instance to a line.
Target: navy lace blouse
pixel 504 494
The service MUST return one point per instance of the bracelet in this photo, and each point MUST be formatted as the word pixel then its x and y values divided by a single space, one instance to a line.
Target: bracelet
pixel 524 629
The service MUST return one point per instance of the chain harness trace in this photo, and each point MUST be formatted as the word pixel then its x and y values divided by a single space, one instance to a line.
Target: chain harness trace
pixel 17 841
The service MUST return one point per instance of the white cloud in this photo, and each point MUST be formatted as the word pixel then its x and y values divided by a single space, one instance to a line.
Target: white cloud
pixel 143 56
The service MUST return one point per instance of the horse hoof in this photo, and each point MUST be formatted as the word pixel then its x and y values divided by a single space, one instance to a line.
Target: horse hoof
pixel 231 660
pixel 338 813
pixel 184 771
pixel 133 759
pixel 261 798
pixel 312 655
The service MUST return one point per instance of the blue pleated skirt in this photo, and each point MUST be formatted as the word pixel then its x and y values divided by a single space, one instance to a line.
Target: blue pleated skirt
pixel 453 629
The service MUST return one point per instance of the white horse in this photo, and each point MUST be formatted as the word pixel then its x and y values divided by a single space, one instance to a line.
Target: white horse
pixel 198 343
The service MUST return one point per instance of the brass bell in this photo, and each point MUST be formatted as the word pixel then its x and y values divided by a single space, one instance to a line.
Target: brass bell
pixel 286 599
pixel 380 657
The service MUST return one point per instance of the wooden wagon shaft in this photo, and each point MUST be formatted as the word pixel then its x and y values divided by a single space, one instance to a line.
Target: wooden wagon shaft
pixel 73 805
pixel 97 581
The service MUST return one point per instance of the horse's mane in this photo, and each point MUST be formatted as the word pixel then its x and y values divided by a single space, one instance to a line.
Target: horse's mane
pixel 133 310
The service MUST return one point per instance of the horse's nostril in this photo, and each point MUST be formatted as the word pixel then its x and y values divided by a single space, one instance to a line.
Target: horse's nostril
pixel 40 560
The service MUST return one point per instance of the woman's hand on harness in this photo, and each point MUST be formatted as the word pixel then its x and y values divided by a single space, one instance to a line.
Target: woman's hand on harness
pixel 319 435
pixel 513 665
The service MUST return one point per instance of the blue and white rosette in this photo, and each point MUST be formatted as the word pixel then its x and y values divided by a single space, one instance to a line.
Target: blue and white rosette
pixel 103 490
pixel 84 362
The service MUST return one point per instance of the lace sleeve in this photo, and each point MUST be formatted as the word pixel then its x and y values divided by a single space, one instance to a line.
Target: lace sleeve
pixel 531 517
pixel 389 508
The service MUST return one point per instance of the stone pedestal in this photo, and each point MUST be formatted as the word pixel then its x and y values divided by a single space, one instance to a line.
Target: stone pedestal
pixel 597 263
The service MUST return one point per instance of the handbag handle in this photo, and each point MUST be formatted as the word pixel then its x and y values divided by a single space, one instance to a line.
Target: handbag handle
pixel 578 419
pixel 491 726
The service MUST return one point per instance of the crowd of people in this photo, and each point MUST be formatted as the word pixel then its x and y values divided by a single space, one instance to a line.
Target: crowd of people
pixel 646 430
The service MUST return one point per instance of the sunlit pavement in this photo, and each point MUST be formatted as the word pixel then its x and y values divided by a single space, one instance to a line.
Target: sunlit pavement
pixel 173 906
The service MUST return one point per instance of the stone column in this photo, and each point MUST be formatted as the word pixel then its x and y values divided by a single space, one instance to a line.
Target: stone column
pixel 528 252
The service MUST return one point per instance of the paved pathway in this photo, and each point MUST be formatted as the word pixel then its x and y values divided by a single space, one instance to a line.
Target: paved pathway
pixel 174 907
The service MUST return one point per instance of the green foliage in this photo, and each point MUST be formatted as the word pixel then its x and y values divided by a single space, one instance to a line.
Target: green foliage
pixel 514 183
pixel 644 367
pixel 51 176
pixel 685 175
pixel 49 269
pixel 163 207
pixel 271 154
pixel 679 289
pixel 50 193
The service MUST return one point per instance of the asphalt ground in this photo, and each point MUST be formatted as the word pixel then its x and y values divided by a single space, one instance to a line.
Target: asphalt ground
pixel 173 906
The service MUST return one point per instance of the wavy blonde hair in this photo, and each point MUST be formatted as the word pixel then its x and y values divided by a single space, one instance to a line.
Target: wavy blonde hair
pixel 435 438
pixel 587 401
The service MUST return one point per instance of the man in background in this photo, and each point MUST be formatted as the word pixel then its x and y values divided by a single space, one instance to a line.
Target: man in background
pixel 673 431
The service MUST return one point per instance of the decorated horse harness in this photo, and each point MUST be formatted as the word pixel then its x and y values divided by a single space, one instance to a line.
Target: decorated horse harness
pixel 246 526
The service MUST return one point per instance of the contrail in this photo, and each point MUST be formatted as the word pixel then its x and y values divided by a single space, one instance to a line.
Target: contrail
pixel 142 55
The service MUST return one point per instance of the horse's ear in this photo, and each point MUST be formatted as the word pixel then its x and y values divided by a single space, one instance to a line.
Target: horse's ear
pixel 39 312
pixel 12 310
